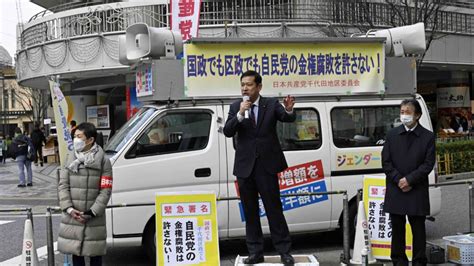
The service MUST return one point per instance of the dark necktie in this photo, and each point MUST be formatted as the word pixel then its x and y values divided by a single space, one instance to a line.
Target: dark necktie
pixel 252 115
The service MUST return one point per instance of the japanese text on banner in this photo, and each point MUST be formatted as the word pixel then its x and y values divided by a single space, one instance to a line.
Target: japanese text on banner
pixel 185 17
pixel 294 68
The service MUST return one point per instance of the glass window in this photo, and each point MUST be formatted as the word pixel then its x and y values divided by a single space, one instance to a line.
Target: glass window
pixel 126 132
pixel 303 134
pixel 175 132
pixel 363 126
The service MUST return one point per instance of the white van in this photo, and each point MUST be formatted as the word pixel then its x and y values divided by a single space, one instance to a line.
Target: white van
pixel 332 144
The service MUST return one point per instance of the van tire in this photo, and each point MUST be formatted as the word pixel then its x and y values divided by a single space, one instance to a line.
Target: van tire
pixel 352 222
pixel 149 240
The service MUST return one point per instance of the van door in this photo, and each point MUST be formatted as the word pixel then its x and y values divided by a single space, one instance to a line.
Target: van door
pixel 306 147
pixel 177 151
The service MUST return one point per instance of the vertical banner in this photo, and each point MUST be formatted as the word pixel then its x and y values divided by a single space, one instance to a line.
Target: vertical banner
pixel 186 228
pixel 185 17
pixel 380 225
pixel 60 108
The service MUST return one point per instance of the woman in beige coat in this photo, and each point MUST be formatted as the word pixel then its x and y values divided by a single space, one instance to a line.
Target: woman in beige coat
pixel 84 190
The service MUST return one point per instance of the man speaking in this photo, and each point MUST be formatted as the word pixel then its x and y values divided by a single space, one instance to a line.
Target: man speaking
pixel 258 159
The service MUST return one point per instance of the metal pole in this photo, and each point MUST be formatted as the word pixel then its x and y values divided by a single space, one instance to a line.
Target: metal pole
pixel 471 205
pixel 359 196
pixel 29 215
pixel 49 235
pixel 345 227
pixel 3 105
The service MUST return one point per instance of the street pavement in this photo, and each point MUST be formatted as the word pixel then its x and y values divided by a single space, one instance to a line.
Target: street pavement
pixel 327 246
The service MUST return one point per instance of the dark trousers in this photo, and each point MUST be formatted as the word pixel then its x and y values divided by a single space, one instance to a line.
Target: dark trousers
pixel 265 184
pixel 39 153
pixel 79 261
pixel 417 224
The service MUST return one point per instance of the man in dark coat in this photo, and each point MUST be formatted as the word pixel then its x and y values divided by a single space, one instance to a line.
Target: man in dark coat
pixel 408 156
pixel 38 138
pixel 258 159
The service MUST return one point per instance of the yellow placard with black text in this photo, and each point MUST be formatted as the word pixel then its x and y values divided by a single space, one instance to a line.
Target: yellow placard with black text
pixel 186 228
pixel 380 230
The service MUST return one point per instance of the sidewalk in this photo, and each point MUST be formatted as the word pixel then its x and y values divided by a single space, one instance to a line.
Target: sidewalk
pixel 43 192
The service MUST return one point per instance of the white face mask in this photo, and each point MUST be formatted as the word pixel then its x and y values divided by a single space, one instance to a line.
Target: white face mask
pixel 407 120
pixel 79 144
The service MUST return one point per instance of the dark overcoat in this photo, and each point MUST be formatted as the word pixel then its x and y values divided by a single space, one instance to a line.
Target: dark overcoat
pixel 409 154
pixel 260 141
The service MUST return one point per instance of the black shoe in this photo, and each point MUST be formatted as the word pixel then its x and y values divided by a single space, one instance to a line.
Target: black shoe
pixel 254 259
pixel 21 185
pixel 287 259
pixel 41 164
pixel 29 184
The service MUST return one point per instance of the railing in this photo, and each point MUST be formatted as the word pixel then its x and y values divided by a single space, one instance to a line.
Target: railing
pixel 98 20
pixel 343 12
pixel 107 18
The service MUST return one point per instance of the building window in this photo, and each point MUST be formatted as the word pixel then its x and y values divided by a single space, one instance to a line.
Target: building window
pixel 5 99
pixel 13 100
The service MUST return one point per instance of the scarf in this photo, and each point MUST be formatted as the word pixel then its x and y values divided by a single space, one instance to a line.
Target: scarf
pixel 87 158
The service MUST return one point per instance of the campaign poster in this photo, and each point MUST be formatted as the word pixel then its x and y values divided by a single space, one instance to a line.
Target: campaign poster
pixel 186 228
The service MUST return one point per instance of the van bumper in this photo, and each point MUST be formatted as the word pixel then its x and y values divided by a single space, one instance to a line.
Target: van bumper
pixel 435 200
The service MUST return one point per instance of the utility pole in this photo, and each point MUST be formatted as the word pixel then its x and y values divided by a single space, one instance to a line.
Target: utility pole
pixel 3 104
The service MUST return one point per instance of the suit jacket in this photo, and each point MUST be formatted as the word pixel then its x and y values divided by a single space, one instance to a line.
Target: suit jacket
pixel 410 155
pixel 260 141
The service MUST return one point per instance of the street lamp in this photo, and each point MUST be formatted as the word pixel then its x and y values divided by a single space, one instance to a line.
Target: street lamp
pixel 2 78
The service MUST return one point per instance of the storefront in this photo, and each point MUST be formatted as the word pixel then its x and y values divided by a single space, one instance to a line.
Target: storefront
pixel 449 96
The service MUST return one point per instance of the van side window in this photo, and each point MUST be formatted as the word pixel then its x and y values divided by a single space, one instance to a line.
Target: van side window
pixel 175 132
pixel 303 134
pixel 363 126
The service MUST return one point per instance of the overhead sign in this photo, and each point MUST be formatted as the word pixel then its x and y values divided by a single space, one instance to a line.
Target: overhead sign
pixel 185 17
pixel 380 225
pixel 286 68
pixel 186 226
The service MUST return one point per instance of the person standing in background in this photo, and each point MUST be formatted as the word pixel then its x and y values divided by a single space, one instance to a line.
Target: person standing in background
pixel 38 138
pixel 73 128
pixel 20 147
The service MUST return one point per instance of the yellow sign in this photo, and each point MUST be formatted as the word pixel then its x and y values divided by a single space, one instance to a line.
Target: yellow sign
pixel 186 229
pixel 380 230
pixel 454 253
pixel 286 68
pixel 359 160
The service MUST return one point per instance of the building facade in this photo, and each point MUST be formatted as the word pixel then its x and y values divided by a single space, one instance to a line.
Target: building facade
pixel 78 41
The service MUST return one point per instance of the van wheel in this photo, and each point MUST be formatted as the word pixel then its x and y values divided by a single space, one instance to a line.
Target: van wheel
pixel 149 240
pixel 352 222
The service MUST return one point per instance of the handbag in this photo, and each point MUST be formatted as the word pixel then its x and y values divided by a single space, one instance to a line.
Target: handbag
pixel 31 153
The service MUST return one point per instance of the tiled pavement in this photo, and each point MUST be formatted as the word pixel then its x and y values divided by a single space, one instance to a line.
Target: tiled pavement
pixel 43 192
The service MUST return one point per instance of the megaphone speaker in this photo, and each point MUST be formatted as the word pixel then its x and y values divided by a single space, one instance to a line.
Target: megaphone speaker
pixel 144 41
pixel 404 40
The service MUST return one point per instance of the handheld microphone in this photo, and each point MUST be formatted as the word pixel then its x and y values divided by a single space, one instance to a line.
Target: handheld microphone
pixel 246 98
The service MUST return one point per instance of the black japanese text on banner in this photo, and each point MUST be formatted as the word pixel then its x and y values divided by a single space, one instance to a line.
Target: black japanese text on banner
pixel 286 68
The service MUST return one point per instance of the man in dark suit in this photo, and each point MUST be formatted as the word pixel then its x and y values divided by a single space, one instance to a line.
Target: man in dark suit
pixel 258 159
pixel 408 156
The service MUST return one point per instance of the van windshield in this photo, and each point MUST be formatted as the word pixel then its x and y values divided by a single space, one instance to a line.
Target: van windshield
pixel 126 132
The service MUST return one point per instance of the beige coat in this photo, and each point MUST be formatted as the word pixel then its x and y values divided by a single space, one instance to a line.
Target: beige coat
pixel 83 191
